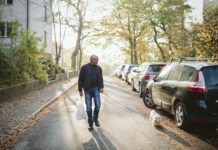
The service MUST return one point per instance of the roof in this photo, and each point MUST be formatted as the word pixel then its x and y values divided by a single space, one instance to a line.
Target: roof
pixel 198 65
pixel 154 63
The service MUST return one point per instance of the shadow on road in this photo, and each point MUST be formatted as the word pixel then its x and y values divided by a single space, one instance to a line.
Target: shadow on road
pixel 204 133
pixel 173 136
pixel 99 141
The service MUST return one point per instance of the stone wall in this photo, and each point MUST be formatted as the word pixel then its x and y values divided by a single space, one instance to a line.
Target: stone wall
pixel 24 88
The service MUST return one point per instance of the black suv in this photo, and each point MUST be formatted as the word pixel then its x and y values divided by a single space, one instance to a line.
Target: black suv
pixel 189 90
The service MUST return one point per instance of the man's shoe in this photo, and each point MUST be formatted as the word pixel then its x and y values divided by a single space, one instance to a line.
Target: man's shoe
pixel 97 123
pixel 90 128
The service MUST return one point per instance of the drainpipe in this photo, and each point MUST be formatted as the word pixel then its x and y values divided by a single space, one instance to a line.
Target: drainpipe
pixel 27 24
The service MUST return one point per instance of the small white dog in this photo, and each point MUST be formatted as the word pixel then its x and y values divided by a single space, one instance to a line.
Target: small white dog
pixel 154 119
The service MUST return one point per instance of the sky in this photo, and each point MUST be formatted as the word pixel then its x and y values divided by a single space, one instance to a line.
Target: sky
pixel 100 8
pixel 197 11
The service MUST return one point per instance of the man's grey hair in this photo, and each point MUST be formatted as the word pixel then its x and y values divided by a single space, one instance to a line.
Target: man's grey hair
pixel 93 57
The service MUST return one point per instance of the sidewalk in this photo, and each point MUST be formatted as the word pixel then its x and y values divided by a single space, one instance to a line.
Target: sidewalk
pixel 16 111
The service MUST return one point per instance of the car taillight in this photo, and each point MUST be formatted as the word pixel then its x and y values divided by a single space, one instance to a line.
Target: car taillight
pixel 147 76
pixel 196 89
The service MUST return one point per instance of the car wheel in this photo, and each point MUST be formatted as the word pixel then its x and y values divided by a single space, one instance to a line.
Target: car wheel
pixel 133 88
pixel 147 99
pixel 180 115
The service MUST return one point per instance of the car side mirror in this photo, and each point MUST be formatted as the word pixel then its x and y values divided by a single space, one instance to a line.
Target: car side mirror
pixel 156 79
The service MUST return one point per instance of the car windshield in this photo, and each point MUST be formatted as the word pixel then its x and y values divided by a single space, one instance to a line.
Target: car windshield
pixel 211 75
pixel 122 67
pixel 155 68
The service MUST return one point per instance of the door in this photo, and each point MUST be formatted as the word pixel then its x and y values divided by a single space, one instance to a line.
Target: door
pixel 169 87
pixel 158 82
pixel 140 76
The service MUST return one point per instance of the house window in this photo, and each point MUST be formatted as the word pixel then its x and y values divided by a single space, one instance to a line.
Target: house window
pixel 6 2
pixel 2 29
pixel 9 1
pixel 45 38
pixel 5 29
pixel 45 15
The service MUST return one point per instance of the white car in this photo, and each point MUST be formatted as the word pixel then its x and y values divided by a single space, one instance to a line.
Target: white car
pixel 126 71
pixel 132 73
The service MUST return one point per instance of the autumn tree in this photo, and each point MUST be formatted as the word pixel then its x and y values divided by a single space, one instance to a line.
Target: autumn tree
pixel 126 24
pixel 167 21
pixel 205 39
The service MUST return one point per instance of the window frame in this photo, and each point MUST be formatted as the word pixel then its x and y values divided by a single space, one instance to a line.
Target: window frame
pixel 5 2
pixel 167 66
pixel 6 30
pixel 45 13
pixel 178 79
pixel 183 70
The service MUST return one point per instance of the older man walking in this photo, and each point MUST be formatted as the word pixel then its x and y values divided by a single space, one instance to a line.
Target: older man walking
pixel 91 81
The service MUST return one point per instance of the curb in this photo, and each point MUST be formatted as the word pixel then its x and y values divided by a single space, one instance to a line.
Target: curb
pixel 42 107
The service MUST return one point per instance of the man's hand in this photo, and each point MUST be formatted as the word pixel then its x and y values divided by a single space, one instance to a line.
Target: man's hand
pixel 101 90
pixel 81 93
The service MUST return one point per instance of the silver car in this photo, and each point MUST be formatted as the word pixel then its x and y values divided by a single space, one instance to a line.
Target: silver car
pixel 126 71
pixel 133 72
pixel 147 71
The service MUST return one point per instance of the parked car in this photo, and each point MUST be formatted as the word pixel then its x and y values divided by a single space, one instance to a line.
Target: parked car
pixel 119 74
pixel 117 71
pixel 133 72
pixel 126 71
pixel 187 90
pixel 146 72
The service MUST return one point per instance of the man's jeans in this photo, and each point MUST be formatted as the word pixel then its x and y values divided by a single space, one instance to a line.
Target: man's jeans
pixel 89 94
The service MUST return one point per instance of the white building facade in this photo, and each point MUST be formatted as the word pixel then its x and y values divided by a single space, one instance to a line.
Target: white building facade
pixel 33 15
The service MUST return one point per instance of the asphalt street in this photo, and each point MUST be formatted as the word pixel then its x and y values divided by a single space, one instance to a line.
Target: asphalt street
pixel 123 118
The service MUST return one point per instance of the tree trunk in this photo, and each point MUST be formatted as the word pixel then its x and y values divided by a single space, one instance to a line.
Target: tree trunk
pixel 135 55
pixel 77 47
pixel 158 45
pixel 131 51
pixel 80 58
pixel 54 28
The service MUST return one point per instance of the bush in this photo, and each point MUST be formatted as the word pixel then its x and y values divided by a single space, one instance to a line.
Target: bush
pixel 51 68
pixel 42 76
pixel 23 64
pixel 8 69
pixel 27 56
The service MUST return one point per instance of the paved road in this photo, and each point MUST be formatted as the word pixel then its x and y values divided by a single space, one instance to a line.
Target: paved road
pixel 123 118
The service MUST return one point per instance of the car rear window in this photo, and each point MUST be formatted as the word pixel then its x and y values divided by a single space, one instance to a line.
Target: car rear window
pixel 211 75
pixel 155 68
